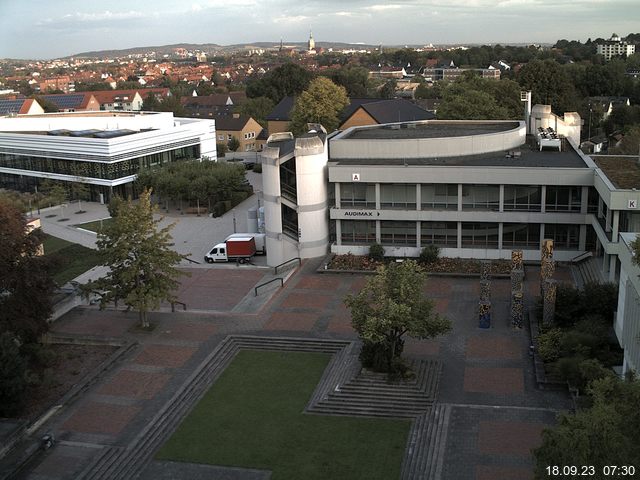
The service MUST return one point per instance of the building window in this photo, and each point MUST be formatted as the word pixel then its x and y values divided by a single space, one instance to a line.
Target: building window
pixel 565 237
pixel 563 199
pixel 290 222
pixel 522 198
pixel 229 136
pixel 398 196
pixel 288 181
pixel 357 195
pixel 521 235
pixel 439 197
pixel 398 233
pixel 358 232
pixel 220 137
pixel 592 201
pixel 479 235
pixel 442 234
pixel 481 197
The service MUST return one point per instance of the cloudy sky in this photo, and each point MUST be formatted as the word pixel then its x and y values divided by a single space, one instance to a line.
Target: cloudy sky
pixel 53 28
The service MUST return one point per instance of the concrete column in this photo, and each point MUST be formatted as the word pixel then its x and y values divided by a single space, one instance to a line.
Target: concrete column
pixel 500 228
pixel 338 232
pixel 459 199
pixel 541 234
pixel 605 262
pixel 378 199
pixel 378 237
pixel 612 268
pixel 543 200
pixel 418 197
pixel 582 240
pixel 501 202
pixel 418 228
pixel 459 234
pixel 607 222
pixel 337 193
pixel 616 225
pixel 584 200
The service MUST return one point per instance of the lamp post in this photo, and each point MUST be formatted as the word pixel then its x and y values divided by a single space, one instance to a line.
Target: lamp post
pixel 590 112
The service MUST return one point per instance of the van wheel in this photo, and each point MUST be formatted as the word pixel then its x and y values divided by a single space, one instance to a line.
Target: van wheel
pixel 209 260
pixel 241 261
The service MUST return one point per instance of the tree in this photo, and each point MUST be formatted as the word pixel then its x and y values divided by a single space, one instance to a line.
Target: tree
pixel 550 85
pixel 393 304
pixel 321 103
pixel 355 79
pixel 233 144
pixel 388 90
pixel 608 433
pixel 80 191
pixel 630 144
pixel 25 282
pixel 257 108
pixel 13 369
pixel 142 267
pixel 286 80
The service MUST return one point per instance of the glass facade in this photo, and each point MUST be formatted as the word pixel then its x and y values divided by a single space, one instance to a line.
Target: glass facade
pixel 439 197
pixel 398 196
pixel 358 195
pixel 355 232
pixel 104 170
pixel 288 185
pixel 481 197
pixel 398 233
pixel 442 234
pixel 290 222
pixel 479 235
pixel 563 199
pixel 565 237
pixel 522 198
pixel 521 235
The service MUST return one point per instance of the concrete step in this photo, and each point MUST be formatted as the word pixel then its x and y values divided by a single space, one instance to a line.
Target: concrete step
pixel 364 412
pixel 391 402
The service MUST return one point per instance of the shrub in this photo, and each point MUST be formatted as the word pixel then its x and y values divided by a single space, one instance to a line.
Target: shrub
pixel 257 167
pixel 13 368
pixel 568 305
pixel 430 254
pixel 375 356
pixel 549 344
pixel 376 252
pixel 600 299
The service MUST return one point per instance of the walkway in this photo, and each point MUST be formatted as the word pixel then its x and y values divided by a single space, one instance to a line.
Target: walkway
pixel 489 411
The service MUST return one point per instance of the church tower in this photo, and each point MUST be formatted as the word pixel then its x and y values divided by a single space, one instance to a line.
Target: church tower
pixel 312 42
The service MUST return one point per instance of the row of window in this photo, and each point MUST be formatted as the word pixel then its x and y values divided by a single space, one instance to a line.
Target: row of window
pixel 103 170
pixel 474 197
pixel 445 234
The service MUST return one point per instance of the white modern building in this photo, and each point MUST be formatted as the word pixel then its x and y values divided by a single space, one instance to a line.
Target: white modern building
pixel 102 149
pixel 627 321
pixel 615 47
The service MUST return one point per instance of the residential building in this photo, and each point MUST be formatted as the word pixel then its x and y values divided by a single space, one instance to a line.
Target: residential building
pixel 448 73
pixel 74 102
pixel 20 106
pixel 102 149
pixel 123 100
pixel 615 47
pixel 245 129
pixel 62 83
pixel 216 105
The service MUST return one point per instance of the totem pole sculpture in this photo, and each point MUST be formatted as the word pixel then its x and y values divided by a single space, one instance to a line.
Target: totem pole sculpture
pixel 484 306
pixel 517 289
pixel 548 286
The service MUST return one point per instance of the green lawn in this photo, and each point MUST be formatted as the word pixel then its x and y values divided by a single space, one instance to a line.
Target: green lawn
pixel 69 259
pixel 96 225
pixel 252 417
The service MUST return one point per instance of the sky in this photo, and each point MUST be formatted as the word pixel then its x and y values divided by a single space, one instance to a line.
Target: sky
pixel 43 29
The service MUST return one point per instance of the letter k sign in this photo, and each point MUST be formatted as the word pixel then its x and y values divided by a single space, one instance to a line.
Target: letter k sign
pixel 633 204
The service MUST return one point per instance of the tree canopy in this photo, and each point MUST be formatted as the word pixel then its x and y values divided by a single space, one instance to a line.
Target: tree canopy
pixel 286 80
pixel 392 304
pixel 142 266
pixel 25 282
pixel 321 103
pixel 355 80
pixel 608 433
pixel 550 84
pixel 257 108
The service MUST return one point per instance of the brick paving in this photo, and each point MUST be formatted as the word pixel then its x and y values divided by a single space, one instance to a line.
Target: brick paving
pixel 498 381
pixel 104 418
pixel 131 383
pixel 480 367
pixel 164 355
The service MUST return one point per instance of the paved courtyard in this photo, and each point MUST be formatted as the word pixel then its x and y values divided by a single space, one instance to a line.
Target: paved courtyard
pixel 497 413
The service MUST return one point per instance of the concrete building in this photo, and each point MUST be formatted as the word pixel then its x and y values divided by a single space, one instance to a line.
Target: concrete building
pixel 627 320
pixel 102 149
pixel 614 47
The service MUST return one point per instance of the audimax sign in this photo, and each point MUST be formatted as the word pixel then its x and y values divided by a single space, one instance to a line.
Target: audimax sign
pixel 361 213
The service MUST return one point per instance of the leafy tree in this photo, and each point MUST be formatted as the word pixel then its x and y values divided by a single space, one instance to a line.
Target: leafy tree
pixel 25 283
pixel 257 108
pixel 388 90
pixel 142 267
pixel 321 103
pixel 80 191
pixel 221 149
pixel 393 304
pixel 233 144
pixel 608 433
pixel 286 80
pixel 550 84
pixel 355 80
pixel 13 370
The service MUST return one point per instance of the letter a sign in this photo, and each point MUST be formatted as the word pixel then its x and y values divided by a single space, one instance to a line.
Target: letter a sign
pixel 355 177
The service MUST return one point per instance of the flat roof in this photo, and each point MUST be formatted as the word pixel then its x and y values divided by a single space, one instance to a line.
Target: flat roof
pixel 430 129
pixel 623 171
pixel 90 133
pixel 529 157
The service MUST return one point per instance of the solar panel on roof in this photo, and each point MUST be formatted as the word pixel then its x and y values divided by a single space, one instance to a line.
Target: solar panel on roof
pixel 10 106
pixel 83 133
pixel 114 133
pixel 66 101
pixel 59 133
